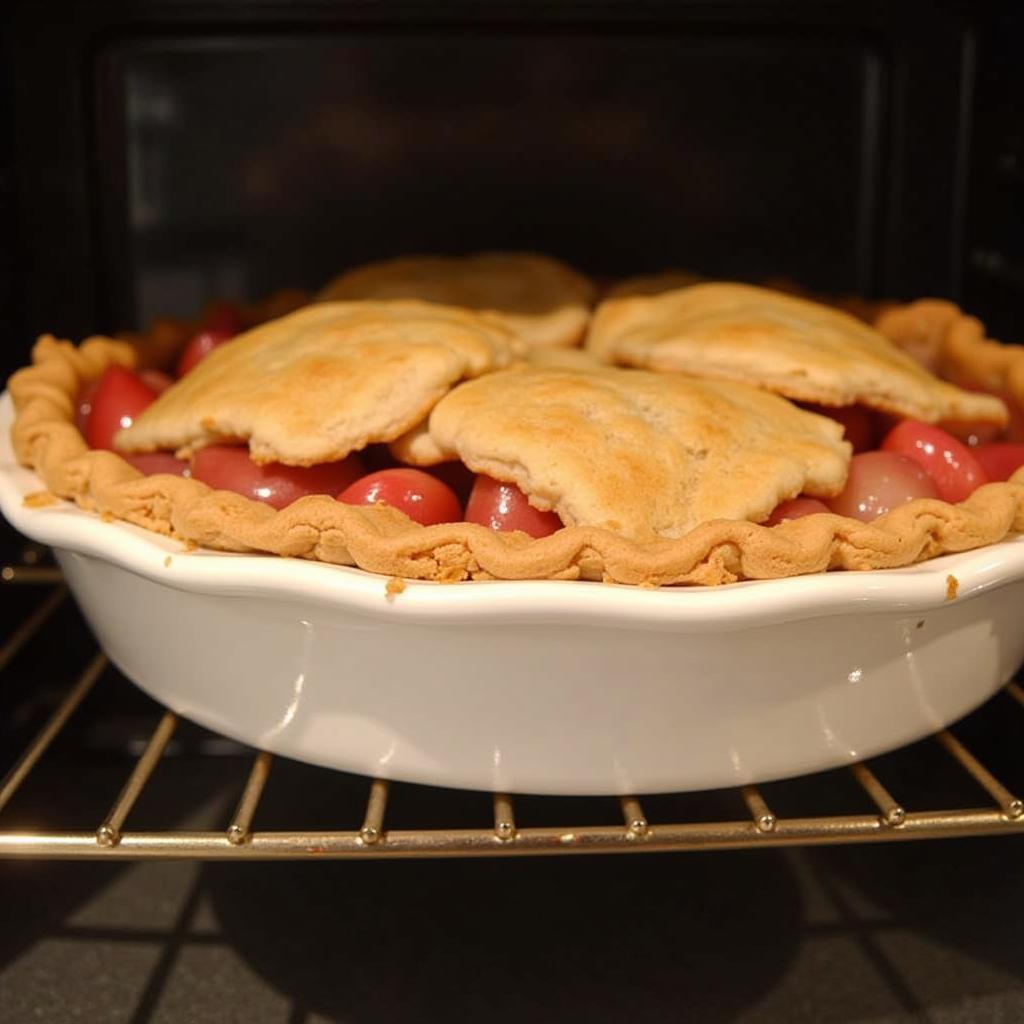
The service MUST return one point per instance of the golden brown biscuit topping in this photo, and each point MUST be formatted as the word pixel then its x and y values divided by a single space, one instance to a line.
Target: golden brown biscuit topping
pixel 644 455
pixel 800 349
pixel 540 300
pixel 324 381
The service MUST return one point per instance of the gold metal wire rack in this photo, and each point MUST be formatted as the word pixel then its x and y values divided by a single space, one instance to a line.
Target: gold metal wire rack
pixel 886 819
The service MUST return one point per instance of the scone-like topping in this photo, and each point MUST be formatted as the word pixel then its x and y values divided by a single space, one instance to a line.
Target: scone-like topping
pixel 418 447
pixel 781 343
pixel 644 455
pixel 323 382
pixel 654 284
pixel 539 299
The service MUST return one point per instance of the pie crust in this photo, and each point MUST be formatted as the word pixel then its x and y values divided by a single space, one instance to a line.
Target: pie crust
pixel 382 540
pixel 323 381
pixel 653 284
pixel 646 455
pixel 803 350
pixel 943 337
pixel 541 300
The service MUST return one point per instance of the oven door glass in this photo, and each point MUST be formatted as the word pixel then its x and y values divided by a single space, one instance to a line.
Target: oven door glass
pixel 239 165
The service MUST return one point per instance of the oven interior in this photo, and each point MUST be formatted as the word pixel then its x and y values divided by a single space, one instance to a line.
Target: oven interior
pixel 167 153
pixel 159 155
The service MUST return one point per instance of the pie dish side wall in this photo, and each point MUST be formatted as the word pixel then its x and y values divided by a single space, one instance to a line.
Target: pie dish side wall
pixel 539 686
pixel 551 708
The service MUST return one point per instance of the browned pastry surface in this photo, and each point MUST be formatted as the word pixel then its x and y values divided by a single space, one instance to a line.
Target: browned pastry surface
pixel 645 455
pixel 668 280
pixel 856 305
pixel 803 350
pixel 418 447
pixel 653 284
pixel 539 299
pixel 324 381
pixel 382 540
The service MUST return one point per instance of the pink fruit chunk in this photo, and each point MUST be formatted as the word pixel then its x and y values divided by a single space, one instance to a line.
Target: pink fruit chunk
pixel 949 462
pixel 878 482
pixel 502 506
pixel 229 468
pixel 796 508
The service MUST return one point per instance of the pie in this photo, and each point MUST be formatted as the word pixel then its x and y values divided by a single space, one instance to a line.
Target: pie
pixel 800 349
pixel 657 478
pixel 540 300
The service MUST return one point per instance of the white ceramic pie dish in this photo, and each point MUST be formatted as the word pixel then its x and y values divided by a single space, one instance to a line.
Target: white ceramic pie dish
pixel 544 687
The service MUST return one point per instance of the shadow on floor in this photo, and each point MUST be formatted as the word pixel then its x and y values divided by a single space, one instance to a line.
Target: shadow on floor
pixel 596 939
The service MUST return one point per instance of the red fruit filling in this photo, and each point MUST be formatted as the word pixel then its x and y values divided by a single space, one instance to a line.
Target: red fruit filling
pixel 796 508
pixel 111 404
pixel 949 462
pixel 229 468
pixel 878 482
pixel 502 506
pixel 422 497
pixel 1000 460
pixel 224 316
pixel 202 344
pixel 150 463
pixel 861 425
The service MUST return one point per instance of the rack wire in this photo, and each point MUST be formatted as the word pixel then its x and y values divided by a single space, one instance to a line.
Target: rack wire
pixel 242 839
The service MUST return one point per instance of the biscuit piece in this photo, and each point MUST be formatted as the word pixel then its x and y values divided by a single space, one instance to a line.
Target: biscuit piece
pixel 654 284
pixel 418 447
pixel 323 382
pixel 539 299
pixel 644 455
pixel 780 343
pixel 563 359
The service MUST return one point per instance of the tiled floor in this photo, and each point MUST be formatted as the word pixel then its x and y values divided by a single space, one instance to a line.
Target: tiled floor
pixel 921 932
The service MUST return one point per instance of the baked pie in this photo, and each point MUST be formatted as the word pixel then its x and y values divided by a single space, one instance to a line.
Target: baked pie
pixel 540 300
pixel 582 470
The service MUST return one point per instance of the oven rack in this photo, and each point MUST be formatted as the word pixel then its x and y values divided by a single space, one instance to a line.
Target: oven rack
pixel 240 839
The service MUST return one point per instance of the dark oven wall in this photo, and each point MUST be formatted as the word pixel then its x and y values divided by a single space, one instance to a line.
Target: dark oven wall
pixel 160 154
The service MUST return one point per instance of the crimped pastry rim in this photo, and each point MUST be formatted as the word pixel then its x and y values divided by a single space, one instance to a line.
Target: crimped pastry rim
pixel 318 588
pixel 382 540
